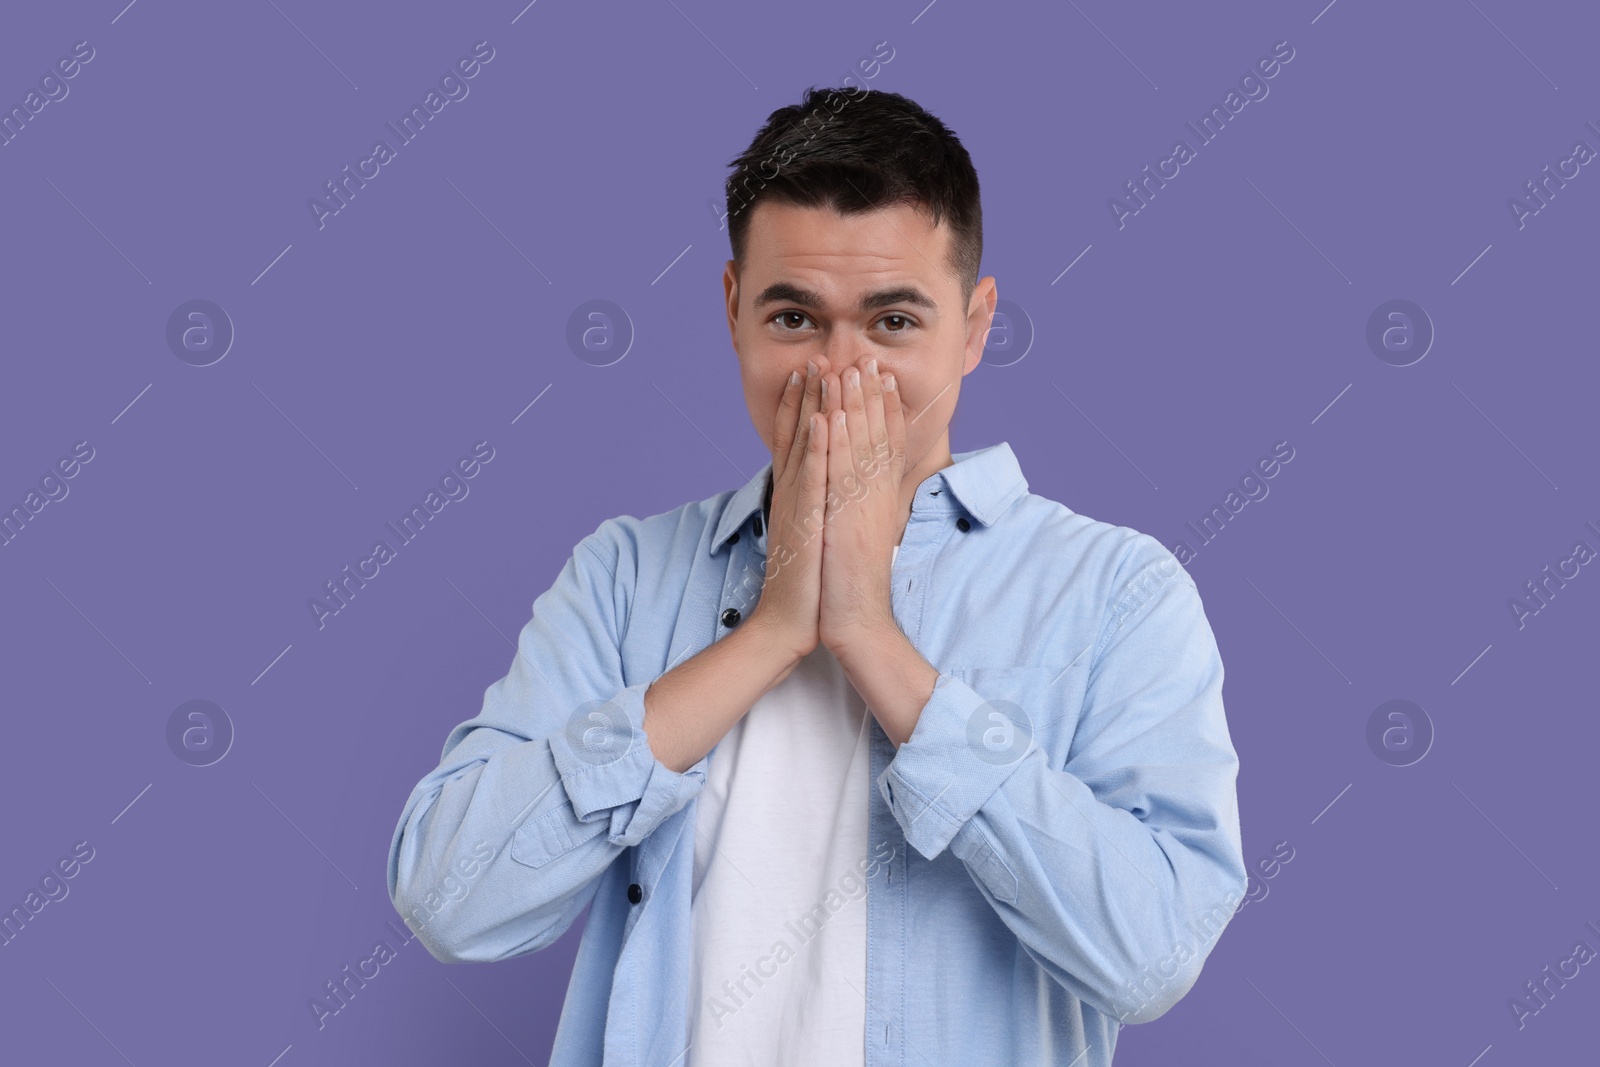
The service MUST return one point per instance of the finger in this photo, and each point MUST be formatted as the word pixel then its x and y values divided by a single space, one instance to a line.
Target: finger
pixel 855 412
pixel 841 476
pixel 810 474
pixel 877 428
pixel 787 423
pixel 802 442
pixel 810 399
pixel 814 471
pixel 831 392
pixel 894 419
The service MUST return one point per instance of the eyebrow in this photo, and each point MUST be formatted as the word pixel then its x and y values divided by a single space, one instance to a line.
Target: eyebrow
pixel 784 292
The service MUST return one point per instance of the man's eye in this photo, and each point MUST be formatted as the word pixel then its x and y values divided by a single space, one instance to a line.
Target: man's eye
pixel 787 317
pixel 904 322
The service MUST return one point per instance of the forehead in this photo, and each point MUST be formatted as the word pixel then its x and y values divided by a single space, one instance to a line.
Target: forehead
pixel 839 256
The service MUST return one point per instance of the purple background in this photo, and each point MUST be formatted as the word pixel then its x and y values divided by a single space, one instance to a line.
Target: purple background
pixel 1228 315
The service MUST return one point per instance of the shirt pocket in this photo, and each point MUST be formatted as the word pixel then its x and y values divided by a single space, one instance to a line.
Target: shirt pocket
pixel 552 835
pixel 1049 698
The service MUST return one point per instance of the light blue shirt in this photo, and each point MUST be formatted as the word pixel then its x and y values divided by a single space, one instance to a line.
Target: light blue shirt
pixel 1055 849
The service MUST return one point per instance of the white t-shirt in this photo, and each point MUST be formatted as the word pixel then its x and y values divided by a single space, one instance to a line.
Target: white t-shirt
pixel 778 970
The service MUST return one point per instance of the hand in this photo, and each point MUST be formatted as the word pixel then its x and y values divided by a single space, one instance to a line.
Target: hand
pixel 791 592
pixel 866 461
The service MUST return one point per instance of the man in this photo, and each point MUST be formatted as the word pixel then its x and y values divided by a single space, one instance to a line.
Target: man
pixel 878 758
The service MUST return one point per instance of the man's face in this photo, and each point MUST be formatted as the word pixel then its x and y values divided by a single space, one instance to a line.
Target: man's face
pixel 840 291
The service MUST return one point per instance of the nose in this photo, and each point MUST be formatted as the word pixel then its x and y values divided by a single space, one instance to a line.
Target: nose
pixel 841 356
pixel 844 351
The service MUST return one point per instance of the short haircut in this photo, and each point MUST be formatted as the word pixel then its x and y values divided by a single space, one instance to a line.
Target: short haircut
pixel 856 150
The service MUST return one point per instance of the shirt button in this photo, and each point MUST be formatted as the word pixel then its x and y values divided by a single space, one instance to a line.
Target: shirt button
pixel 963 525
pixel 635 894
pixel 730 618
pixel 758 525
pixel 734 539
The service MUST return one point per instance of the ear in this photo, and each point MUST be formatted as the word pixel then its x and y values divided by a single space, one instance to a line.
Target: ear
pixel 980 315
pixel 730 292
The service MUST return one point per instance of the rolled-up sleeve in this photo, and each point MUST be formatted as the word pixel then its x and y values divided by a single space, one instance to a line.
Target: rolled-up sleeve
pixel 500 847
pixel 1103 860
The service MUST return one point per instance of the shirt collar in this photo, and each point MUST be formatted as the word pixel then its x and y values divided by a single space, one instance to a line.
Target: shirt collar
pixel 984 481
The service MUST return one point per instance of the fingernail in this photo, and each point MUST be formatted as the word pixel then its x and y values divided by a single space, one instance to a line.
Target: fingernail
pixel 853 376
pixel 872 364
pixel 888 384
pixel 811 369
pixel 824 388
pixel 794 377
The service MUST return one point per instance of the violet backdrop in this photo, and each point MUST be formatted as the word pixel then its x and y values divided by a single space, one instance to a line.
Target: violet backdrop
pixel 1144 362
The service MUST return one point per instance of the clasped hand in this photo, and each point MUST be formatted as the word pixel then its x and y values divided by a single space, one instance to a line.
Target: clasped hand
pixel 839 453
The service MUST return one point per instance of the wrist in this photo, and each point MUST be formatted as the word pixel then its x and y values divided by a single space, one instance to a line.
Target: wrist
pixel 782 647
pixel 865 640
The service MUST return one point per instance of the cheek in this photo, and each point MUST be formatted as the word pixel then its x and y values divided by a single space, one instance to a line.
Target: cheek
pixel 912 398
pixel 930 404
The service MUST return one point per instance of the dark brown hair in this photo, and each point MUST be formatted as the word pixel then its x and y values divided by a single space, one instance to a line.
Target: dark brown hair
pixel 856 150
